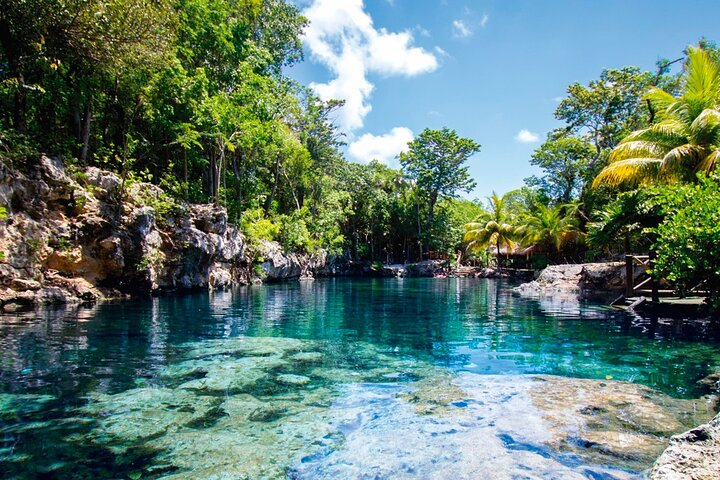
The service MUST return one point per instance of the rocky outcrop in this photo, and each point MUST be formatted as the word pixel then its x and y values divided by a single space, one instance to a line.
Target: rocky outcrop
pixel 81 237
pixel 575 279
pixel 693 455
pixel 427 268
pixel 278 265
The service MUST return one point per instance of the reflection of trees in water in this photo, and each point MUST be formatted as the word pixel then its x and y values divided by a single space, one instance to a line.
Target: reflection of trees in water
pixel 111 345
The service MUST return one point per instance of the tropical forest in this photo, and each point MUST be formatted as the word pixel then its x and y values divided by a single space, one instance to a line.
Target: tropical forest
pixel 301 239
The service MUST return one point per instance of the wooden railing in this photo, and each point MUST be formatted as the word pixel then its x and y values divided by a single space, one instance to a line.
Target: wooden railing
pixel 646 283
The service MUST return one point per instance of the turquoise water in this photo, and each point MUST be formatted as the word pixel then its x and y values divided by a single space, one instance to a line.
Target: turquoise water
pixel 324 379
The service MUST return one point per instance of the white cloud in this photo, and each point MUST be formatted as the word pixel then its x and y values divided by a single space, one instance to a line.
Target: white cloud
pixel 484 20
pixel 460 29
pixel 383 148
pixel 441 51
pixel 526 136
pixel 341 35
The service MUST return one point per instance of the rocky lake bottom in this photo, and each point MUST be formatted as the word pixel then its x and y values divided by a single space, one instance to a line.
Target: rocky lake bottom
pixel 348 379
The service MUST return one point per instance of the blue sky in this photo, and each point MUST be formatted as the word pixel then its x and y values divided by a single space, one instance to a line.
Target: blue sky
pixel 488 69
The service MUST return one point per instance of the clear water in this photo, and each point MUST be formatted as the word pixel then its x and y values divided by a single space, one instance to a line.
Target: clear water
pixel 396 378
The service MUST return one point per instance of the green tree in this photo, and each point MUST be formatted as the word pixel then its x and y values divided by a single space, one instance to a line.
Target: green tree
pixel 606 109
pixel 437 162
pixel 564 160
pixel 688 240
pixel 624 224
pixel 492 228
pixel 686 139
pixel 550 227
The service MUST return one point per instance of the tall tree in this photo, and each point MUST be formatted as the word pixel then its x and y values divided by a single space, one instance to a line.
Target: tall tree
pixel 686 139
pixel 492 228
pixel 437 162
pixel 564 160
pixel 606 109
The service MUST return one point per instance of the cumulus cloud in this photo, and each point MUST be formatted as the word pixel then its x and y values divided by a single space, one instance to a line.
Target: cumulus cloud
pixel 526 136
pixel 383 148
pixel 460 29
pixel 341 36
pixel 484 20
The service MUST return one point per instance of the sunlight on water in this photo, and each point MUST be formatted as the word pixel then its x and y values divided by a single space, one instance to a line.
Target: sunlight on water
pixel 347 379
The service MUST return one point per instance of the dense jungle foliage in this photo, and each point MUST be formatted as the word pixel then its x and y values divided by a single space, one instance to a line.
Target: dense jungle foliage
pixel 193 95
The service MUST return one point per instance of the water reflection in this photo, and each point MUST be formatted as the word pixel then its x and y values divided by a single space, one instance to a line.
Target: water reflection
pixel 52 360
pixel 479 325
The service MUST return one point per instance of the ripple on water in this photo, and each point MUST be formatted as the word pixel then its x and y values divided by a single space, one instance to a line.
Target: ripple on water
pixel 371 415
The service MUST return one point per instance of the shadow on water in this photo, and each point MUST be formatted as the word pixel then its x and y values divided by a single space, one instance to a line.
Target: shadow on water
pixel 60 356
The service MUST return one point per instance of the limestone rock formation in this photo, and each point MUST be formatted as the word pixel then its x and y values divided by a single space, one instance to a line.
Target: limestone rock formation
pixel 82 236
pixel 575 279
pixel 693 455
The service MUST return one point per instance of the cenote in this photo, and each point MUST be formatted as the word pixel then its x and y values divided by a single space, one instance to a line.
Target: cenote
pixel 343 379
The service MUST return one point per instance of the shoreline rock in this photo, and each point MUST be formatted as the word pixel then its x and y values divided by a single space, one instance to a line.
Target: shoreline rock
pixel 578 280
pixel 693 455
pixel 67 239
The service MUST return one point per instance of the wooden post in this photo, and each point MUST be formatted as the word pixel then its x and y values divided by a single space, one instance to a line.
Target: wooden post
pixel 629 276
pixel 655 282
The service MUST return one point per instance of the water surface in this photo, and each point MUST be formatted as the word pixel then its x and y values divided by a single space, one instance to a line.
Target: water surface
pixel 322 379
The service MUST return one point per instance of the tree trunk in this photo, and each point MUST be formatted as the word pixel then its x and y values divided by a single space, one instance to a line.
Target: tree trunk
pixel 85 132
pixel 185 176
pixel 238 184
pixel 21 106
pixel 431 218
pixel 213 177
pixel 271 198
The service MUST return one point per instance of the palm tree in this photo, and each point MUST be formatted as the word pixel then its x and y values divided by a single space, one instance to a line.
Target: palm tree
pixel 551 227
pixel 684 142
pixel 492 228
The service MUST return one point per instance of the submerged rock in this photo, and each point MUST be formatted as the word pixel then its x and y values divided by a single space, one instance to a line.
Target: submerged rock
pixel 611 421
pixel 276 407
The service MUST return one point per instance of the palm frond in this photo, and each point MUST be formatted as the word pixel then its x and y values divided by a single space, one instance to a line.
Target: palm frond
pixel 631 171
pixel 702 82
pixel 706 126
pixel 659 98
pixel 638 149
pixel 681 161
pixel 668 132
pixel 709 163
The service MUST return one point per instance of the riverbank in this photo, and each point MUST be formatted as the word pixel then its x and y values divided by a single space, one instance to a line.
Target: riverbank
pixel 88 235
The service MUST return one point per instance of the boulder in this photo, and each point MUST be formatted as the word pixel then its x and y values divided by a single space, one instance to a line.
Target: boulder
pixel 20 285
pixel 278 265
pixel 53 171
pixel 581 278
pixel 209 218
pixel 693 455
pixel 106 183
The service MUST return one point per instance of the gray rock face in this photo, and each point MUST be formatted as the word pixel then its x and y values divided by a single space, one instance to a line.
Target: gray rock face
pixel 571 279
pixel 279 265
pixel 693 455
pixel 67 240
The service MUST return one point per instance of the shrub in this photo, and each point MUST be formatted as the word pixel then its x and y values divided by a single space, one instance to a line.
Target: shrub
pixel 688 242
pixel 294 233
pixel 257 228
